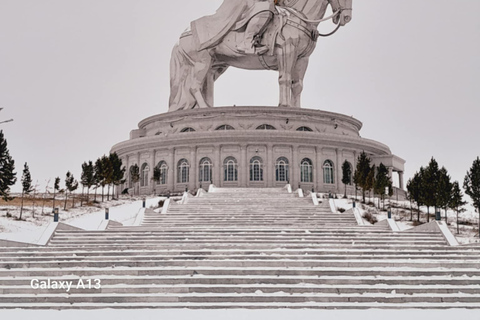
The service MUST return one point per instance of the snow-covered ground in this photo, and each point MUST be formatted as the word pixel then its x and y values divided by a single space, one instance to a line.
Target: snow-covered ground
pixel 401 212
pixel 123 210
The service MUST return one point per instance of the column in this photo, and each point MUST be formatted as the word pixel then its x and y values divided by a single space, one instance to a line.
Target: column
pixel 171 170
pixel 295 169
pixel 242 167
pixel 338 170
pixel 217 172
pixel 193 178
pixel 270 164
pixel 152 167
pixel 400 179
pixel 318 167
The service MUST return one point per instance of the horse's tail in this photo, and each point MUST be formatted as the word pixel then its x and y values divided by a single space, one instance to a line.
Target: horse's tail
pixel 181 73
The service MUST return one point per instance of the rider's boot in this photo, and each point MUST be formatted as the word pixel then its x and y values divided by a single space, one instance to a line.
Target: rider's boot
pixel 253 34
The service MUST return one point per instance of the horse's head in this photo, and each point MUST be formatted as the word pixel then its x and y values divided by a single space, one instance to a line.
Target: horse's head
pixel 345 7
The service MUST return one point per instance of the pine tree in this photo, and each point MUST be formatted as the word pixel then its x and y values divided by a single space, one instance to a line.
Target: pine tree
pixel 429 186
pixel 56 188
pixel 108 175
pixel 118 170
pixel 382 181
pixel 26 185
pixel 444 190
pixel 87 178
pixel 135 175
pixel 456 201
pixel 98 175
pixel 157 175
pixel 70 185
pixel 346 175
pixel 414 187
pixel 471 185
pixel 361 173
pixel 371 181
pixel 7 170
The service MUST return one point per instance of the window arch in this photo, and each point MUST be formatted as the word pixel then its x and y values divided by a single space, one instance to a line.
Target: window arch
pixel 205 172
pixel 306 170
pixel 183 171
pixel 162 165
pixel 266 127
pixel 144 175
pixel 305 129
pixel 282 170
pixel 189 129
pixel 328 172
pixel 225 127
pixel 256 169
pixel 230 168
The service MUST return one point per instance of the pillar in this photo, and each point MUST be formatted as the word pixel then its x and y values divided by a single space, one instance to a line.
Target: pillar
pixel 270 164
pixel 242 166
pixel 171 170
pixel 295 169
pixel 400 180
pixel 217 172
pixel 193 178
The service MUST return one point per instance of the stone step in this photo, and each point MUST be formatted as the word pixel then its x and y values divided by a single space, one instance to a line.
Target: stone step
pixel 187 298
pixel 248 289
pixel 132 263
pixel 199 271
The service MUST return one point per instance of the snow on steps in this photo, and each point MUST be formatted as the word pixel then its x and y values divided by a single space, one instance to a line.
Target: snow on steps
pixel 245 248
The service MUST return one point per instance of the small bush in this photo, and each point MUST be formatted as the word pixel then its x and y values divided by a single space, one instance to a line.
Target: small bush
pixel 370 217
pixel 341 210
pixel 8 215
pixel 160 203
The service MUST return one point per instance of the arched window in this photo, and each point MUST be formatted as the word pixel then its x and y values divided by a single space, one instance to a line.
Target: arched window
pixel 205 173
pixel 305 129
pixel 162 165
pixel 328 172
pixel 230 169
pixel 188 130
pixel 144 175
pixel 183 171
pixel 266 127
pixel 281 171
pixel 256 169
pixel 225 127
pixel 306 170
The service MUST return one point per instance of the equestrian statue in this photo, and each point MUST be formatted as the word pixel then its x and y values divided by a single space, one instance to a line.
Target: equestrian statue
pixel 250 34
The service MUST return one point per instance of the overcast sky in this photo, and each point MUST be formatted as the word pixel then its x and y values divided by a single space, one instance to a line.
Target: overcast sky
pixel 78 75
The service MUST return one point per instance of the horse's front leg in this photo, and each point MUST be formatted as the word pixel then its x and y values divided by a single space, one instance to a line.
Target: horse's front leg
pixel 201 70
pixel 297 81
pixel 286 63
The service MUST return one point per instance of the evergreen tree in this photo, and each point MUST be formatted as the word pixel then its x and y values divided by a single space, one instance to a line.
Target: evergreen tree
pixel 70 185
pixel 429 186
pixel 118 170
pixel 26 185
pixel 157 175
pixel 456 200
pixel 471 185
pixel 7 170
pixel 444 190
pixel 362 172
pixel 107 174
pixel 382 181
pixel 135 175
pixel 98 175
pixel 87 178
pixel 414 187
pixel 371 181
pixel 346 175
pixel 56 188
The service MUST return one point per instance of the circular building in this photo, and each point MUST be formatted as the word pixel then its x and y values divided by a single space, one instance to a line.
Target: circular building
pixel 256 147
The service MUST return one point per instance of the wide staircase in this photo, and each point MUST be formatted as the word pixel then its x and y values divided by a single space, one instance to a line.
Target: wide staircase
pixel 244 248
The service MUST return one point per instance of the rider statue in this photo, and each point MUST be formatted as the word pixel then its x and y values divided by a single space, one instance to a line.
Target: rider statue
pixel 234 15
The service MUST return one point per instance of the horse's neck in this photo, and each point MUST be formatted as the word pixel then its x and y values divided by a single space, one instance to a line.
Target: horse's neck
pixel 312 9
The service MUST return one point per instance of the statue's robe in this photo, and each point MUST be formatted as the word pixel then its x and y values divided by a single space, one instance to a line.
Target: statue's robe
pixel 232 15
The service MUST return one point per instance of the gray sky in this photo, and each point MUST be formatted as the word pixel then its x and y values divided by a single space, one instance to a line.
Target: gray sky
pixel 78 75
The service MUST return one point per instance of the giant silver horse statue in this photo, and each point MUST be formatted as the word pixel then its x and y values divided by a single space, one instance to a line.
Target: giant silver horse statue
pixel 253 35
